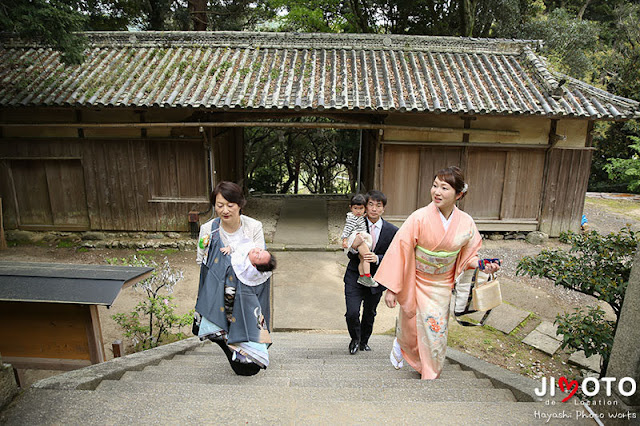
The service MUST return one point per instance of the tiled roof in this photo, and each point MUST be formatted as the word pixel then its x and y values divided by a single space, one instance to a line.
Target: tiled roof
pixel 287 71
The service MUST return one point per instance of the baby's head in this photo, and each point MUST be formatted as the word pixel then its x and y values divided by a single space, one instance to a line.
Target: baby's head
pixel 357 204
pixel 262 260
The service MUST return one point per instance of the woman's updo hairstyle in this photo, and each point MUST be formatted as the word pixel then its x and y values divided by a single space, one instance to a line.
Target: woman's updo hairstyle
pixel 230 191
pixel 454 177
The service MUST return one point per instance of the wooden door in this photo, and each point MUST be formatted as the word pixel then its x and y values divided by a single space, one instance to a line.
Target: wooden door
pixel 400 179
pixel 485 176
pixel 50 193
pixel 408 175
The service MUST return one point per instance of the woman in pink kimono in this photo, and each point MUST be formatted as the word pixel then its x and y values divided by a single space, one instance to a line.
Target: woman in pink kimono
pixel 434 245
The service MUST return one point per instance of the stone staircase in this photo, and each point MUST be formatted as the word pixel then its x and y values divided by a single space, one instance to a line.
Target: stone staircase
pixel 311 380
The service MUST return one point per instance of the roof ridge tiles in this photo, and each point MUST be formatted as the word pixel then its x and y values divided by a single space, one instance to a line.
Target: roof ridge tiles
pixel 292 40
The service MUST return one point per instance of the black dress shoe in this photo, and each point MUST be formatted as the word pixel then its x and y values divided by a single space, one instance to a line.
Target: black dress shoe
pixel 353 347
pixel 364 347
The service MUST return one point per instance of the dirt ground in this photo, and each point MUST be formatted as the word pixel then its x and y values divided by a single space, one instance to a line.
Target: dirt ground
pixel 507 351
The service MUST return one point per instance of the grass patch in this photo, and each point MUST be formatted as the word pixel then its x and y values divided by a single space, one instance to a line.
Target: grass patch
pixel 154 252
pixel 507 351
pixel 147 252
pixel 65 244
pixel 624 207
pixel 82 249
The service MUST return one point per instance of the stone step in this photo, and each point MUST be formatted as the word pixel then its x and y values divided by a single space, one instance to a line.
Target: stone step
pixel 45 406
pixel 212 360
pixel 264 379
pixel 303 353
pixel 169 369
pixel 316 393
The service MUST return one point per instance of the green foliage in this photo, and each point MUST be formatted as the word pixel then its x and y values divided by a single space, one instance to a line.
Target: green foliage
pixel 627 169
pixel 52 22
pixel 587 330
pixel 596 265
pixel 323 160
pixel 568 41
pixel 65 243
pixel 153 320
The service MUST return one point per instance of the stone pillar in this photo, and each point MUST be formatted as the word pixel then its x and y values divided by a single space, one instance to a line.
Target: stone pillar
pixel 8 386
pixel 625 354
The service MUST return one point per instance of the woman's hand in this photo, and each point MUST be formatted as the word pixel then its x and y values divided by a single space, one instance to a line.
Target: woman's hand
pixel 390 299
pixel 491 268
pixel 344 243
pixel 225 250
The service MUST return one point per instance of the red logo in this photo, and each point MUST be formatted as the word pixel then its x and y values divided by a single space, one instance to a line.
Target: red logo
pixel 568 386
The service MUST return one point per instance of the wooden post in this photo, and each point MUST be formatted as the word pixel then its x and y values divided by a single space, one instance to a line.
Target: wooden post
pixel 3 242
pixel 118 348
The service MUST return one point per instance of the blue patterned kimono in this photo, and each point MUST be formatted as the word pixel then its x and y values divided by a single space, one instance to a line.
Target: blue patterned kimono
pixel 246 325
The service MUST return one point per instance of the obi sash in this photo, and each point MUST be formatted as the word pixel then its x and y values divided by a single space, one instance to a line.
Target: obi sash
pixel 435 262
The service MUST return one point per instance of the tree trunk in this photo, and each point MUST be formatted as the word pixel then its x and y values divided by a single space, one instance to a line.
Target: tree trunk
pixel 198 13
pixel 467 17
pixel 157 14
pixel 583 9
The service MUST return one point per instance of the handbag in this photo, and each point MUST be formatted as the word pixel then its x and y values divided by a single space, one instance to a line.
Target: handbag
pixel 475 291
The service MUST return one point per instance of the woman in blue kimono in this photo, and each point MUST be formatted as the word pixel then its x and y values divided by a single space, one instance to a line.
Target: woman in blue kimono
pixel 233 315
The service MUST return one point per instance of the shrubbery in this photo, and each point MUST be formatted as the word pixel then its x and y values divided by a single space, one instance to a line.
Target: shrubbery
pixel 597 265
pixel 153 320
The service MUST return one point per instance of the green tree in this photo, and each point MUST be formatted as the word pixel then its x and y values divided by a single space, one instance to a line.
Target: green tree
pixel 596 265
pixel 153 320
pixel 53 22
pixel 627 170
pixel 568 41
pixel 615 69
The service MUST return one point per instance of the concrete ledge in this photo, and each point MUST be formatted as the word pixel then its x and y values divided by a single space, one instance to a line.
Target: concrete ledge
pixel 301 247
pixel 522 387
pixel 8 385
pixel 88 378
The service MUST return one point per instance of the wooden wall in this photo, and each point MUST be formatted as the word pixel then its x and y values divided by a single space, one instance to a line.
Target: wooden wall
pixel 503 184
pixel 228 146
pixel 567 177
pixel 127 185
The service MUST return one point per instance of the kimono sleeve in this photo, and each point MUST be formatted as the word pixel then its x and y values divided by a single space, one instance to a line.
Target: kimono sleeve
pixel 397 271
pixel 258 236
pixel 468 257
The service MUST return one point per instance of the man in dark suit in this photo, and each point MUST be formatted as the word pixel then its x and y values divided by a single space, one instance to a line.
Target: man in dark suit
pixel 356 295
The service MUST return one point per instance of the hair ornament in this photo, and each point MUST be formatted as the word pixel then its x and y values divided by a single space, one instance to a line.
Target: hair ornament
pixel 465 188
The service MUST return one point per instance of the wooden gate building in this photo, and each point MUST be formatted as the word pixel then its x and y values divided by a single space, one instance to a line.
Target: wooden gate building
pixel 137 135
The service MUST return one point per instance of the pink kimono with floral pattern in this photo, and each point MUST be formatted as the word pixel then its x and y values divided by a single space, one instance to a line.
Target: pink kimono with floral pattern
pixel 420 266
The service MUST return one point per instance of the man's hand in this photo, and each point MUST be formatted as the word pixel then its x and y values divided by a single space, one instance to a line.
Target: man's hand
pixel 225 250
pixel 370 257
pixel 390 299
pixel 344 243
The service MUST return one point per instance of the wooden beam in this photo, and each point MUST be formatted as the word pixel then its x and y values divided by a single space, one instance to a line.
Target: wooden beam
pixel 3 241
pixel 271 124
pixel 137 279
pixel 19 362
pixel 468 144
pixel 94 335
pixel 487 224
